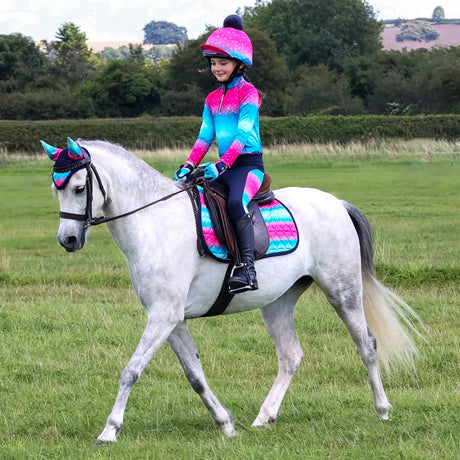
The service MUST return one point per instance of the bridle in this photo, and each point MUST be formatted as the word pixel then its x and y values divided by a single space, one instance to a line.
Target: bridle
pixel 92 221
pixel 88 216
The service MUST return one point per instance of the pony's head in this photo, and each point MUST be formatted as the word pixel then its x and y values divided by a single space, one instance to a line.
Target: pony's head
pixel 72 179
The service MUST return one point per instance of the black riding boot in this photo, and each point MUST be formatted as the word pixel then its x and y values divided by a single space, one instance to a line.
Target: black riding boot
pixel 243 276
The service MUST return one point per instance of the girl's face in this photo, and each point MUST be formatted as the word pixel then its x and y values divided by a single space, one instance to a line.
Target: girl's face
pixel 222 68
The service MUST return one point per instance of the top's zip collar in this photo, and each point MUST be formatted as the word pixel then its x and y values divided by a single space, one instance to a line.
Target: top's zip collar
pixel 230 83
pixel 223 95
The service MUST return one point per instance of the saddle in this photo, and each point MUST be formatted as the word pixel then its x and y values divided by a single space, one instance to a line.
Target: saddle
pixel 215 197
pixel 275 231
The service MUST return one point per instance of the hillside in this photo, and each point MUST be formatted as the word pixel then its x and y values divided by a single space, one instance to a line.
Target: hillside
pixel 449 35
pixel 99 46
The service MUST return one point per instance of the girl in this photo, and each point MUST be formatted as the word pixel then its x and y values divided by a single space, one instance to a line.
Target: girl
pixel 231 115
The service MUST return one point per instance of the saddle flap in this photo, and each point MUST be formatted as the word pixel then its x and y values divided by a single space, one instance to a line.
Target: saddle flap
pixel 261 236
pixel 217 206
pixel 223 227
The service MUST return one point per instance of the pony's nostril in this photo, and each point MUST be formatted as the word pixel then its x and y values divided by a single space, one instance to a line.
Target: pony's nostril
pixel 70 243
pixel 71 240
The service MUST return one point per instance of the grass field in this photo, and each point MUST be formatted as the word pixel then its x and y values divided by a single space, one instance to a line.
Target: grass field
pixel 70 322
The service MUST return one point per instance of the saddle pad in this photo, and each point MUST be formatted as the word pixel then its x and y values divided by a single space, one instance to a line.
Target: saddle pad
pixel 282 230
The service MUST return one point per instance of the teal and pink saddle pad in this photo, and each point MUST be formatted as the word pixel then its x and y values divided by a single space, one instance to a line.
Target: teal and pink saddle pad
pixel 281 230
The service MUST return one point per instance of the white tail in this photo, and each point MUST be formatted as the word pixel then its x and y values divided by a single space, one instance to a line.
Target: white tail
pixel 390 319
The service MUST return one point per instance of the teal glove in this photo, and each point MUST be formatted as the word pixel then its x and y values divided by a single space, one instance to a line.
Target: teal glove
pixel 183 172
pixel 214 170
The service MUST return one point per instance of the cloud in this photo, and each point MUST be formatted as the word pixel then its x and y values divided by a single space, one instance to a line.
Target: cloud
pixel 104 20
pixel 121 20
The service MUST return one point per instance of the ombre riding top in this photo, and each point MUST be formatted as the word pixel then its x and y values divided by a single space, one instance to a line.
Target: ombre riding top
pixel 231 116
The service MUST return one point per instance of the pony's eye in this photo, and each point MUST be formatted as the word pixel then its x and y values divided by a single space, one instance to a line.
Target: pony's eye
pixel 79 190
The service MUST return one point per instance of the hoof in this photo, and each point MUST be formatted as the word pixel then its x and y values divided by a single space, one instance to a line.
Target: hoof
pixel 232 433
pixel 102 442
pixel 263 424
pixel 228 426
pixel 108 436
pixel 383 412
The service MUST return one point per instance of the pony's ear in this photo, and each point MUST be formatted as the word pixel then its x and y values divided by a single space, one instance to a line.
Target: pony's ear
pixel 74 149
pixel 51 151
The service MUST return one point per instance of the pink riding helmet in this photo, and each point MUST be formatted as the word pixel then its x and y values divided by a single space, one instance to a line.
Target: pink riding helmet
pixel 229 42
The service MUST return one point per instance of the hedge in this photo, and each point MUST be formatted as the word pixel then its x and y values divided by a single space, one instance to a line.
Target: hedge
pixel 159 132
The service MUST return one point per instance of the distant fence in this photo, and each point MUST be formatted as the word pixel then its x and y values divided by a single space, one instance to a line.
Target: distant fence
pixel 174 132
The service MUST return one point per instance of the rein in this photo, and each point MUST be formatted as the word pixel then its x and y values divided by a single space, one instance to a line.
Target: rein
pixel 92 221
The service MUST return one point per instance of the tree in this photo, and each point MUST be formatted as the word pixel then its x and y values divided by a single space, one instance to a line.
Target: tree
pixel 419 81
pixel 449 77
pixel 164 33
pixel 417 31
pixel 158 52
pixel 363 73
pixel 136 54
pixel 188 79
pixel 21 62
pixel 72 58
pixel 127 87
pixel 109 53
pixel 319 90
pixel 438 14
pixel 317 32
pixel 269 73
pixel 188 65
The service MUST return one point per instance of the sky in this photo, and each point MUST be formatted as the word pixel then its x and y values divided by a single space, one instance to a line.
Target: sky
pixel 124 20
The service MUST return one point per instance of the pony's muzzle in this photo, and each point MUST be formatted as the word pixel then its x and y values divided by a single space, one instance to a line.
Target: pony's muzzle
pixel 70 243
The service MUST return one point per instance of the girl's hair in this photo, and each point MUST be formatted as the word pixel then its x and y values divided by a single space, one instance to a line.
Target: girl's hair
pixel 262 95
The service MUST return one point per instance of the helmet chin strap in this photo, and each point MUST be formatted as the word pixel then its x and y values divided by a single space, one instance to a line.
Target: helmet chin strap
pixel 238 71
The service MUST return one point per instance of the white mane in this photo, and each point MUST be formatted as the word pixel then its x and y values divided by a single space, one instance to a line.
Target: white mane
pixel 117 158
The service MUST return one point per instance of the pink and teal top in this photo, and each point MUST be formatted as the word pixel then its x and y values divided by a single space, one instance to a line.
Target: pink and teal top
pixel 231 116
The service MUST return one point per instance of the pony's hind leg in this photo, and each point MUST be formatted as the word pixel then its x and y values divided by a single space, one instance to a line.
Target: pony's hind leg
pixel 348 304
pixel 279 322
pixel 184 346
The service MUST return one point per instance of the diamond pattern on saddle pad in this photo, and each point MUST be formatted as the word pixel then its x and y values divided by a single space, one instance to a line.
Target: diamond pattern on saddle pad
pixel 282 230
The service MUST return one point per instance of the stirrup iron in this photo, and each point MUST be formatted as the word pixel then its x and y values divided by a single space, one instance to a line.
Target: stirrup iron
pixel 251 284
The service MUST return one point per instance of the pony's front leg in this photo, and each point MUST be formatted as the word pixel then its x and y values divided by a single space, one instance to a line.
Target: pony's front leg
pixel 184 346
pixel 155 334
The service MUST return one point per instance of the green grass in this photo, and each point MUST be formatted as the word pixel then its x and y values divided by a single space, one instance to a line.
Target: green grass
pixel 70 322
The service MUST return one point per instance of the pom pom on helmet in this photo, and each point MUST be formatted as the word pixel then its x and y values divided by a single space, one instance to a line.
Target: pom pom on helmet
pixel 233 21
